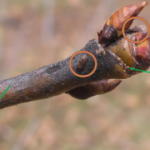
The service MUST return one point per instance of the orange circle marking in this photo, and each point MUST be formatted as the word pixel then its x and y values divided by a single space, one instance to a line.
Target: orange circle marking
pixel 87 75
pixel 140 18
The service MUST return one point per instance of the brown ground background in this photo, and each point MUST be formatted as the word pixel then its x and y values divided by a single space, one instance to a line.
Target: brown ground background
pixel 34 33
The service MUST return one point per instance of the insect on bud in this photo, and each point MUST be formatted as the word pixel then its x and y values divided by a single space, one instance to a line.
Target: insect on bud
pixel 112 29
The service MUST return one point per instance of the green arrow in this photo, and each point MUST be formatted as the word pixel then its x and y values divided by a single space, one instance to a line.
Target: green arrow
pixel 5 91
pixel 139 70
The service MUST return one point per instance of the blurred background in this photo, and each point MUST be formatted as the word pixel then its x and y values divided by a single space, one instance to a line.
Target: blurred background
pixel 34 33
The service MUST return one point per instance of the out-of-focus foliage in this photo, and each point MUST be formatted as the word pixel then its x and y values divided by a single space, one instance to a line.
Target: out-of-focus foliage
pixel 37 33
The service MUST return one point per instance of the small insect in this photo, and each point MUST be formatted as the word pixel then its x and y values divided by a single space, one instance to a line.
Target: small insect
pixel 81 63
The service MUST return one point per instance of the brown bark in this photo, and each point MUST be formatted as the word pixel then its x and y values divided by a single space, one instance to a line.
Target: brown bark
pixel 57 78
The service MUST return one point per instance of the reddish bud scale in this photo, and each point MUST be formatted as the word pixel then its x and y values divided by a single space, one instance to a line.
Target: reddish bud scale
pixel 142 52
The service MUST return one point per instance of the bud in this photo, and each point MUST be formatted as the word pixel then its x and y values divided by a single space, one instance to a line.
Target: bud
pixel 133 54
pixel 112 29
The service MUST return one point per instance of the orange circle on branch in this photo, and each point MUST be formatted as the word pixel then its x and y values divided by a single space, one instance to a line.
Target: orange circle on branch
pixel 87 75
pixel 140 18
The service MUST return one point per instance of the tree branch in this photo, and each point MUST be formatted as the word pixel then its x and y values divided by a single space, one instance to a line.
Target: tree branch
pixel 114 56
pixel 57 78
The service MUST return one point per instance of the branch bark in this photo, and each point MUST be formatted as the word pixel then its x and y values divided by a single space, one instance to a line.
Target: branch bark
pixel 57 78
